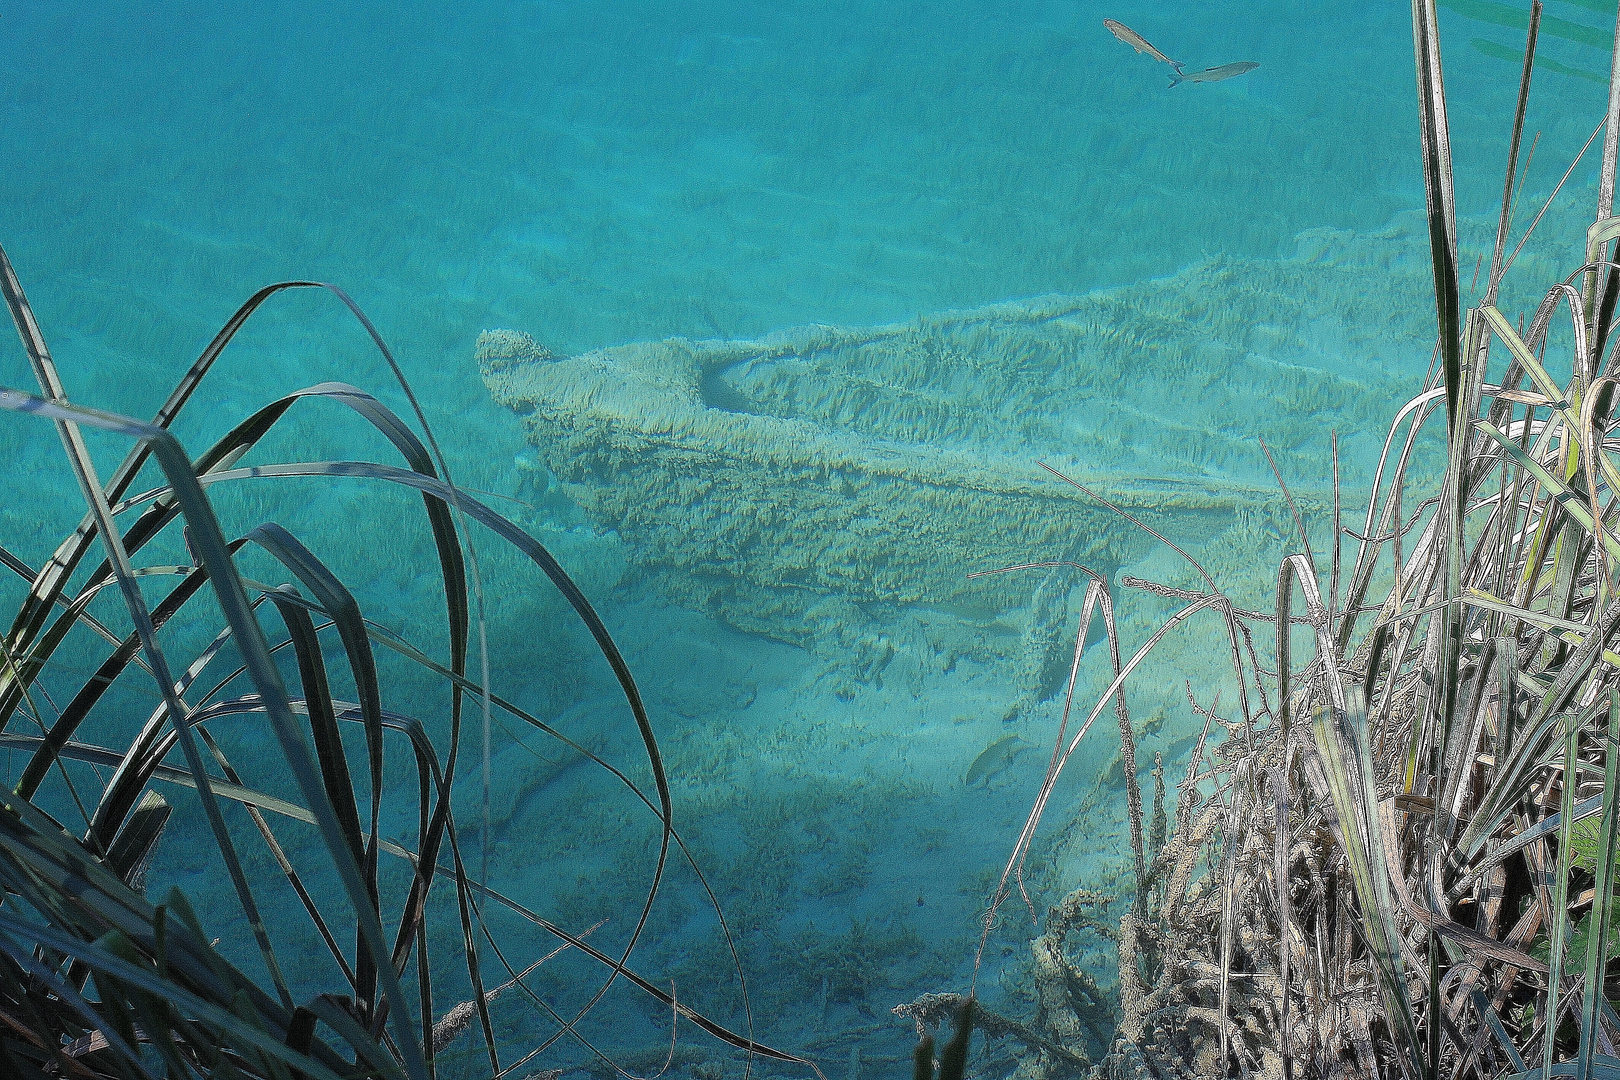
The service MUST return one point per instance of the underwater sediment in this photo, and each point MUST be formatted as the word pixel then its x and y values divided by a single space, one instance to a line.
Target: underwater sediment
pixel 777 482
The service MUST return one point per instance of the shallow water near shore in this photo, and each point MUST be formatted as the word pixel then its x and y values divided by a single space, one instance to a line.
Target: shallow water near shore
pixel 595 175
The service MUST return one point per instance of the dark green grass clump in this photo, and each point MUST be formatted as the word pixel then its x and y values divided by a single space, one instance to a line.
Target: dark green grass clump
pixel 98 981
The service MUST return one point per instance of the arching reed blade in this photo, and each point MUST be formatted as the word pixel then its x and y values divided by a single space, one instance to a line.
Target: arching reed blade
pixel 1506 219
pixel 1437 184
pixel 1602 926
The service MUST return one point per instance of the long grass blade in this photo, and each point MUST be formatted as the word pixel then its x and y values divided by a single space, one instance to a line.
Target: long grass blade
pixel 1336 741
pixel 210 547
pixel 1560 903
pixel 1611 140
pixel 1437 185
pixel 1602 917
pixel 67 425
pixel 135 975
pixel 1513 153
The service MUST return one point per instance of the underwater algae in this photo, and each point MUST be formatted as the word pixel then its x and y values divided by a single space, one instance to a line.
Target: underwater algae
pixel 769 482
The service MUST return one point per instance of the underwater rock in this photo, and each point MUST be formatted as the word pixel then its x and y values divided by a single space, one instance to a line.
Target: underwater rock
pixel 879 466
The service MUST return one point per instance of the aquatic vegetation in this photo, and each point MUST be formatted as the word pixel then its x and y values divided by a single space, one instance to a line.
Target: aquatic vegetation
pixel 98 690
pixel 952 1064
pixel 828 477
pixel 1393 853
pixel 856 964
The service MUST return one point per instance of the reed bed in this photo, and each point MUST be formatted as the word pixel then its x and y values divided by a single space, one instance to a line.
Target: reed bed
pixel 1394 854
pixel 98 981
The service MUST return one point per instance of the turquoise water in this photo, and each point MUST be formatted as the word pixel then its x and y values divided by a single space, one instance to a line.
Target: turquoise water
pixel 597 174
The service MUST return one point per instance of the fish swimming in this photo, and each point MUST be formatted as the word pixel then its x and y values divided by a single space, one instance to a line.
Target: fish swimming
pixel 1138 42
pixel 1214 74
pixel 995 759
